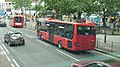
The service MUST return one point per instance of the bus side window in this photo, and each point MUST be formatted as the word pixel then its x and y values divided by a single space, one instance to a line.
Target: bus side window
pixel 69 31
pixel 61 30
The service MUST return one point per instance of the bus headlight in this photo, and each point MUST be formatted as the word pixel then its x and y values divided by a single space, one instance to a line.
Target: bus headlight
pixel 77 44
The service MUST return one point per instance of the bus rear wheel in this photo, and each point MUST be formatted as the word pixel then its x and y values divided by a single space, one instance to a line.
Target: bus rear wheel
pixel 60 44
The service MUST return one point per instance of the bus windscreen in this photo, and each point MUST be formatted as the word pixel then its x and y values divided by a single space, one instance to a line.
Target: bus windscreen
pixel 85 30
pixel 18 19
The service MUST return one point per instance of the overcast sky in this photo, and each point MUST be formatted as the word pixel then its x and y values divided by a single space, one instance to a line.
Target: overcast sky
pixel 2 1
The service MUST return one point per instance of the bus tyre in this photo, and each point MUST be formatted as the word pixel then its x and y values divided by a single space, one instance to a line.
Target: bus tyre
pixel 60 44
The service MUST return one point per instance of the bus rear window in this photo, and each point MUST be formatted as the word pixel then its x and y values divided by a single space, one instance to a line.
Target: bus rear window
pixel 18 19
pixel 86 30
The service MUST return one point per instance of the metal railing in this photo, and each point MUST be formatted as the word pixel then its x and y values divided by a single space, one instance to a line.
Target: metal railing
pixel 108 46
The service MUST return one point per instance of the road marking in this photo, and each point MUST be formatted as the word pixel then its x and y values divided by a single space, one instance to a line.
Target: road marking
pixel 8 58
pixel 0 40
pixel 5 48
pixel 4 52
pixel 16 63
pixel 42 42
pixel 29 36
pixel 67 55
pixel 1 53
pixel 1 47
pixel 12 65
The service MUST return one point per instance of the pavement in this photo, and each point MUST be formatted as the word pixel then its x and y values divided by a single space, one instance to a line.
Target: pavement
pixel 112 45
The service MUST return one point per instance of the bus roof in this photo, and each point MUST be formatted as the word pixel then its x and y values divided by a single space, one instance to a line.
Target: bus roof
pixel 87 23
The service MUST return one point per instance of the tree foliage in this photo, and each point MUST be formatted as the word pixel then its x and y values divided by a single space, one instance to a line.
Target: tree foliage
pixel 71 6
pixel 22 3
pixel 108 8
pixel 65 7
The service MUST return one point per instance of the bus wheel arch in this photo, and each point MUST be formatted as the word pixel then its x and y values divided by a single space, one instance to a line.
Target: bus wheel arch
pixel 60 44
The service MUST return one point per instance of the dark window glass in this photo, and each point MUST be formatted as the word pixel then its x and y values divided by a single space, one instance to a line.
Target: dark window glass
pixel 18 19
pixel 8 10
pixel 95 65
pixel 69 31
pixel 85 30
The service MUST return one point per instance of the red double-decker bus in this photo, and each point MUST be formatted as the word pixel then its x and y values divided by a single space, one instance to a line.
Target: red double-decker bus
pixel 17 21
pixel 68 35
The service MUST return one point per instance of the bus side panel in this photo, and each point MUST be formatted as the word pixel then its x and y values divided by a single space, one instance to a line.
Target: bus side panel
pixel 44 35
pixel 63 40
pixel 56 39
pixel 64 43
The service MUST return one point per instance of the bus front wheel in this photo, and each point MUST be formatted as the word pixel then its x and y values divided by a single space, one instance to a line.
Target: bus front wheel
pixel 60 44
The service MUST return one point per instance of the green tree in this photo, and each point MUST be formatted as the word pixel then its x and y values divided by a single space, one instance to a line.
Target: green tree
pixel 109 8
pixel 22 3
pixel 71 6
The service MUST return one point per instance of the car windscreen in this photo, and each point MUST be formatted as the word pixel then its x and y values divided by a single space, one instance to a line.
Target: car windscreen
pixel 85 30
pixel 18 19
pixel 16 35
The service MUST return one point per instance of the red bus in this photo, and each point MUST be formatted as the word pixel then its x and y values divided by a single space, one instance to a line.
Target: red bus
pixel 68 35
pixel 17 21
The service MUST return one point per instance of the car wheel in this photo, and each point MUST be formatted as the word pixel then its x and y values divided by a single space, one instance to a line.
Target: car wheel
pixel 60 44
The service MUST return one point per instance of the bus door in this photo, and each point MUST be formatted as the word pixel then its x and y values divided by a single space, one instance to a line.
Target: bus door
pixel 51 32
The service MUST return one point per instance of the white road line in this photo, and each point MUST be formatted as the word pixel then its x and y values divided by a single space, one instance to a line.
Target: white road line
pixel 1 53
pixel 1 47
pixel 8 58
pixel 67 55
pixel 42 42
pixel 0 40
pixel 16 63
pixel 4 52
pixel 5 48
pixel 12 65
pixel 29 36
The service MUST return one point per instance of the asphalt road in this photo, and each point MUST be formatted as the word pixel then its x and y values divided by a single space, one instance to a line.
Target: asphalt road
pixel 37 53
